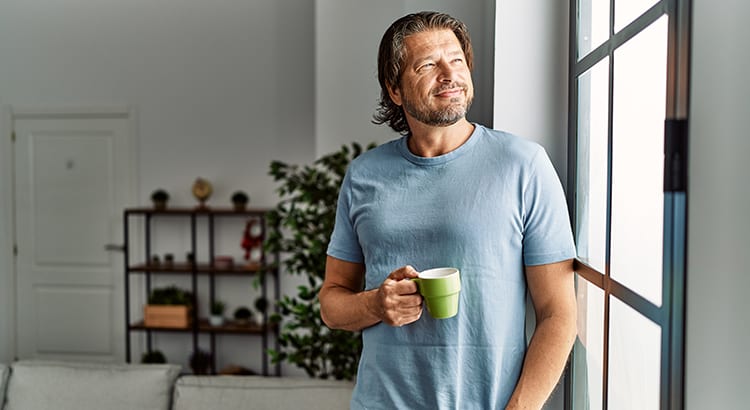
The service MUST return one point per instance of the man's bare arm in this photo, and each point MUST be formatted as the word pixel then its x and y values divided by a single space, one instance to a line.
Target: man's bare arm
pixel 344 305
pixel 552 292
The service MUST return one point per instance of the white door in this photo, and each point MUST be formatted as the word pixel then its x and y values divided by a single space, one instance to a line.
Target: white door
pixel 72 181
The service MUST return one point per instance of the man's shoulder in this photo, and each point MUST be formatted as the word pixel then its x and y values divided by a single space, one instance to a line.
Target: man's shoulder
pixel 508 143
pixel 383 152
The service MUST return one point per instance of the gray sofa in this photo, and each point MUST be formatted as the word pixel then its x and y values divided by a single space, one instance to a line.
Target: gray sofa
pixel 42 385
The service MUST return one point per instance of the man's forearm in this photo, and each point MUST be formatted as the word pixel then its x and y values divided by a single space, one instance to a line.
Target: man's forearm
pixel 344 309
pixel 544 363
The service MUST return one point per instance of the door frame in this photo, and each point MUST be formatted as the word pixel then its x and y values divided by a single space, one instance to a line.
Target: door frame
pixel 8 271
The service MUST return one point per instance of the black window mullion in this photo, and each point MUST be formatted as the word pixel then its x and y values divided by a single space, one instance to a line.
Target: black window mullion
pixel 619 38
pixel 608 223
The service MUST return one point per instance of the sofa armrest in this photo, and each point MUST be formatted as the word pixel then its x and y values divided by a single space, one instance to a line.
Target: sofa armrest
pixel 4 371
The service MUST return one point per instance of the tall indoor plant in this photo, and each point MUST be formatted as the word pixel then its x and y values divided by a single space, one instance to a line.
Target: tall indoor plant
pixel 304 219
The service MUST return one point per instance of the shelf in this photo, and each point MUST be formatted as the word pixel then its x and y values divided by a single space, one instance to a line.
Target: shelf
pixel 201 268
pixel 225 211
pixel 230 326
pixel 211 269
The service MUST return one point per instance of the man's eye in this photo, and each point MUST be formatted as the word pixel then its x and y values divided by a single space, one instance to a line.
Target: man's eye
pixel 426 66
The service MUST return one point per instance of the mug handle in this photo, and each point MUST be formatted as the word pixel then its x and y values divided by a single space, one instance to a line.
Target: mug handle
pixel 418 282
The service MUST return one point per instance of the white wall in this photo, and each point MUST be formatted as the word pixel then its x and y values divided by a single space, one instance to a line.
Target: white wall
pixel 531 74
pixel 220 88
pixel 347 34
pixel 718 265
pixel 217 91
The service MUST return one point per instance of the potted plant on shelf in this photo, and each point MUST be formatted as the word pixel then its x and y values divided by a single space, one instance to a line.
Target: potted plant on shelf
pixel 153 357
pixel 240 200
pixel 303 221
pixel 200 362
pixel 168 307
pixel 159 199
pixel 217 313
pixel 261 305
pixel 243 315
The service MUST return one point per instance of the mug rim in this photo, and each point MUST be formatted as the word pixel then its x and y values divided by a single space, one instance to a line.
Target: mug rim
pixel 453 271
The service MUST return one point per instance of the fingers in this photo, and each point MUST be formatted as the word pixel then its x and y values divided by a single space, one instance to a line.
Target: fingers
pixel 399 301
pixel 404 272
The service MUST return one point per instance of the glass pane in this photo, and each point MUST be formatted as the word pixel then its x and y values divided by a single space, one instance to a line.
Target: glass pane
pixel 589 347
pixel 634 359
pixel 639 102
pixel 591 206
pixel 593 25
pixel 628 10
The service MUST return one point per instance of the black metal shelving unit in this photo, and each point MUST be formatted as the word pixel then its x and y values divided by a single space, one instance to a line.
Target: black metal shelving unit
pixel 265 267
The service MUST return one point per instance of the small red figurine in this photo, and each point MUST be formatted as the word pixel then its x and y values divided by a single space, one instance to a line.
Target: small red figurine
pixel 251 238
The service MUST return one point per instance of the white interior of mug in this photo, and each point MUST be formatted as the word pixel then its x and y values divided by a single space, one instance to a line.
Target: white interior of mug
pixel 437 273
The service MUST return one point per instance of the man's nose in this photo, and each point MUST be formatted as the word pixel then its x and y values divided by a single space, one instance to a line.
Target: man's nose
pixel 447 73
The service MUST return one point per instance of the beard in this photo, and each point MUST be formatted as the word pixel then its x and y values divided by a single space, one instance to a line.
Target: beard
pixel 442 117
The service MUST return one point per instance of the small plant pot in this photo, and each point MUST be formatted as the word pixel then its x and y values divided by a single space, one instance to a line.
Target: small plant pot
pixel 159 199
pixel 200 362
pixel 240 200
pixel 216 320
pixel 166 316
pixel 258 319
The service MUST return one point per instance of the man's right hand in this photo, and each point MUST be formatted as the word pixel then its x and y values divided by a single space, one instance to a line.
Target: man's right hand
pixel 398 301
pixel 344 305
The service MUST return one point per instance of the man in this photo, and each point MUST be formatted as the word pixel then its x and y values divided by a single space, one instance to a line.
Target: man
pixel 449 193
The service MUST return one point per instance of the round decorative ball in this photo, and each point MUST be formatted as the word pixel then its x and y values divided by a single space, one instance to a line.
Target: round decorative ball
pixel 202 190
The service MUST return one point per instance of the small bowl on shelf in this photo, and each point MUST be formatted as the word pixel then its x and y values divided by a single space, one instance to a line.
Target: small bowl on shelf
pixel 223 262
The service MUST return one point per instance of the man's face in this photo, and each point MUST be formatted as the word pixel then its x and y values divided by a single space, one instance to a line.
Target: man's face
pixel 436 87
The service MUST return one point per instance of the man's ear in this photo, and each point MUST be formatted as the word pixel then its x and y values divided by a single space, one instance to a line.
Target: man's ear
pixel 395 93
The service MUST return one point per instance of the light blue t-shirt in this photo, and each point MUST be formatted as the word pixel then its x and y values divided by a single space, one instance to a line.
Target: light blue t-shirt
pixel 488 208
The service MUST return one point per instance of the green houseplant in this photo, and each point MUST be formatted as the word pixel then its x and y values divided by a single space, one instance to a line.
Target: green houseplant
pixel 304 220
pixel 153 356
pixel 200 362
pixel 217 313
pixel 240 200
pixel 242 315
pixel 160 198
pixel 168 307
pixel 170 295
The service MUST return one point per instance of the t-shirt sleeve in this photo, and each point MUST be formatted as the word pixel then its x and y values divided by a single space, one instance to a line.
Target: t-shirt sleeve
pixel 547 235
pixel 344 244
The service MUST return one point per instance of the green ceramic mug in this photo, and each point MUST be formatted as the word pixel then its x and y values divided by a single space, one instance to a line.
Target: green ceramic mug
pixel 440 288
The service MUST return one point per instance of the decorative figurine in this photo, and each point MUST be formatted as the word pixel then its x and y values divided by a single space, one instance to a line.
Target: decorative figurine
pixel 202 190
pixel 252 240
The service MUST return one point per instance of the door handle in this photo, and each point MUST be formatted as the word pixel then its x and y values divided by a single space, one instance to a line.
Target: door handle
pixel 114 247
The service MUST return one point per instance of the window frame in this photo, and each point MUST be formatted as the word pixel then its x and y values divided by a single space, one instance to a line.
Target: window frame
pixel 670 315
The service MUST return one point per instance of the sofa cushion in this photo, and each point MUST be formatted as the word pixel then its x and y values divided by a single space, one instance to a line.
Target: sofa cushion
pixel 260 393
pixel 41 385
pixel 3 382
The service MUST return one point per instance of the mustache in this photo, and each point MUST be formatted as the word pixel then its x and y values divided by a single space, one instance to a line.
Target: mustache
pixel 449 86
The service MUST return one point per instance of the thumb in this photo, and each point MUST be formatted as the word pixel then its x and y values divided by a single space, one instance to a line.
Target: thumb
pixel 404 272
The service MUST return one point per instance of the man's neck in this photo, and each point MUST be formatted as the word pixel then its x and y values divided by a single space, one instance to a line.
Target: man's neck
pixel 430 141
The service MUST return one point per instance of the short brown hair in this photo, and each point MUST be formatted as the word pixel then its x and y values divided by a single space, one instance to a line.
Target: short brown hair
pixel 391 56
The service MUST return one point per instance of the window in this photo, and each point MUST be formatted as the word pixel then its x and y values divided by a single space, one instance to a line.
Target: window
pixel 627 121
